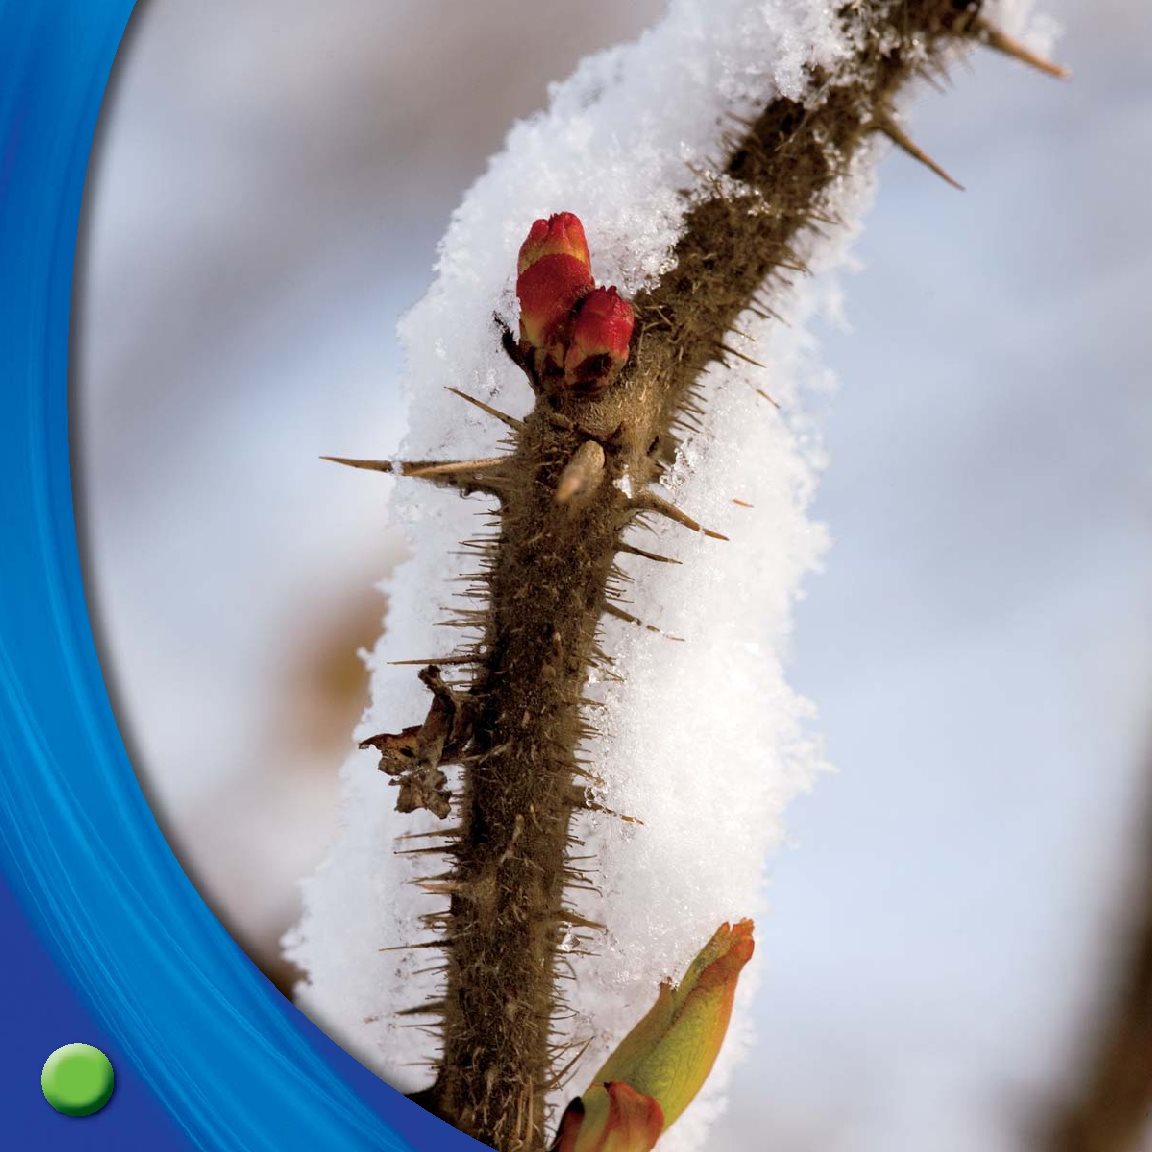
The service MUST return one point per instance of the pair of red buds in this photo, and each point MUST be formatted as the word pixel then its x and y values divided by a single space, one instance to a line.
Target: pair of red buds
pixel 572 333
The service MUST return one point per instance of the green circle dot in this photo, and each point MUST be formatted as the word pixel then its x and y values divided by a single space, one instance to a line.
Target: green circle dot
pixel 77 1080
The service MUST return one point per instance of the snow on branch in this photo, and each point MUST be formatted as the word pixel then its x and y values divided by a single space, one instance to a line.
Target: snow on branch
pixel 697 743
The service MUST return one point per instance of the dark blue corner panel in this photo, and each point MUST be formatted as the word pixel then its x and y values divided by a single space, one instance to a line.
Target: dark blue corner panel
pixel 102 937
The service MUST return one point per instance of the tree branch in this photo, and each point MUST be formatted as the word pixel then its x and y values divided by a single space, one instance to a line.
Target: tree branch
pixel 564 506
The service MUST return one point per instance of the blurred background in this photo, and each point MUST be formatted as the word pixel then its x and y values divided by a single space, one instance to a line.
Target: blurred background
pixel 953 913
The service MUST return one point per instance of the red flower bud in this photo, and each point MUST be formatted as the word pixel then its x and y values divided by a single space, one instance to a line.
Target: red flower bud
pixel 559 235
pixel 600 341
pixel 549 289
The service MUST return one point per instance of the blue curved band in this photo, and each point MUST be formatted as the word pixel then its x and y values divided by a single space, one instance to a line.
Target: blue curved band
pixel 102 933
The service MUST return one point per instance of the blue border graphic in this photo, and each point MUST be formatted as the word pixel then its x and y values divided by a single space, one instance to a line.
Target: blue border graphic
pixel 105 940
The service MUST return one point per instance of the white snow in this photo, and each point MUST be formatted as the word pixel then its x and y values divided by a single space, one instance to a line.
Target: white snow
pixel 702 741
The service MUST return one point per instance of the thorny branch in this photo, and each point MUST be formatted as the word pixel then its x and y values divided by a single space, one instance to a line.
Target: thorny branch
pixel 514 723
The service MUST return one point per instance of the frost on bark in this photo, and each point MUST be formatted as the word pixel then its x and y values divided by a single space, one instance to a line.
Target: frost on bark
pixel 563 839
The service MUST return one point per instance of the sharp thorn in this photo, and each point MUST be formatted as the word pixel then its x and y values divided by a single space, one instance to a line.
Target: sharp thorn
pixel 650 502
pixel 615 610
pixel 410 947
pixel 438 660
pixel 441 887
pixel 467 474
pixel 627 617
pixel 771 400
pixel 592 806
pixel 740 355
pixel 567 917
pixel 431 468
pixel 503 417
pixel 433 1009
pixel 885 124
pixel 1000 42
pixel 632 550
pixel 437 834
pixel 371 465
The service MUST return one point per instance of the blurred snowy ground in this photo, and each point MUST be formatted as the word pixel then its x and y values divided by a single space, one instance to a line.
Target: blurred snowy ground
pixel 268 191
